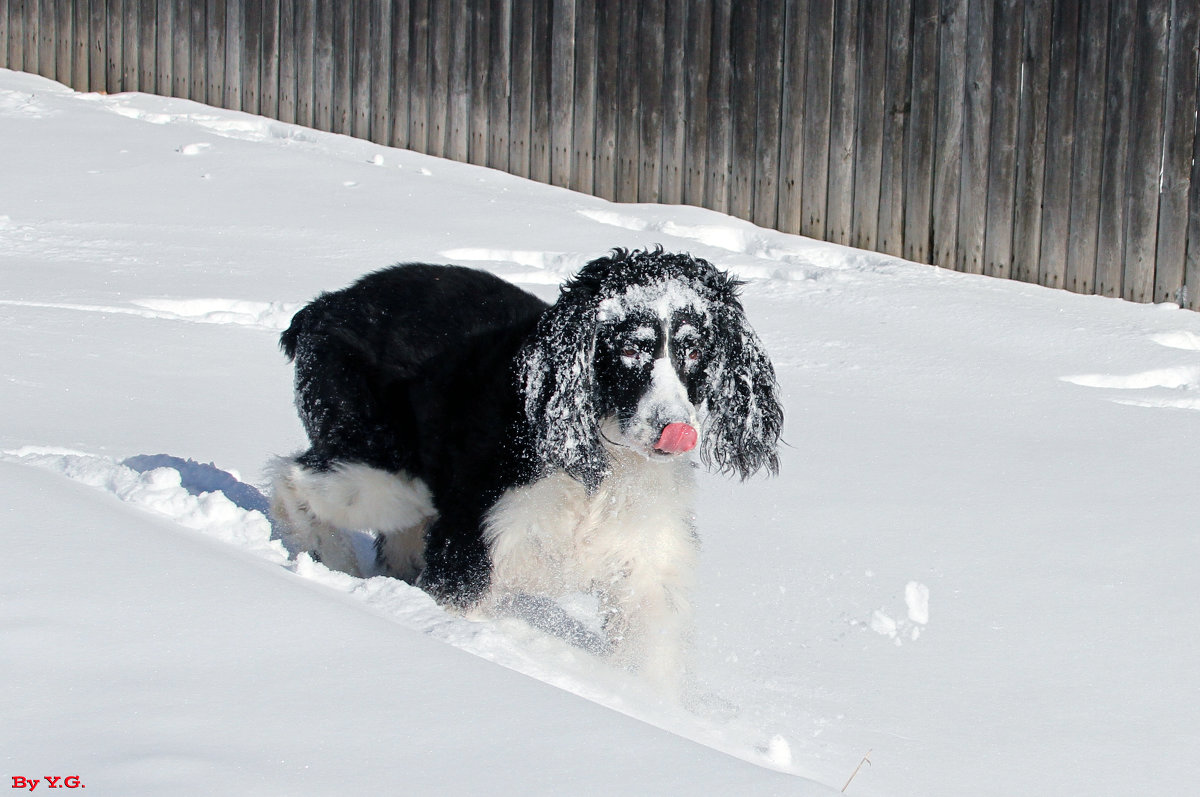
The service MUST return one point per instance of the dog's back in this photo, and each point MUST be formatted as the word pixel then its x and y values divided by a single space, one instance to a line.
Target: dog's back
pixel 357 349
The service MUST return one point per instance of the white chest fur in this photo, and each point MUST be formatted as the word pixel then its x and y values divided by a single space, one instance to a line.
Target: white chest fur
pixel 633 535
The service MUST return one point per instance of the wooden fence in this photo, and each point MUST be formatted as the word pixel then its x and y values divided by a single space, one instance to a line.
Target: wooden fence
pixel 1051 141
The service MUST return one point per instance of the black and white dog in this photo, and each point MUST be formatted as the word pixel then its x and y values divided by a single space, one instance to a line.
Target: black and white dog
pixel 501 448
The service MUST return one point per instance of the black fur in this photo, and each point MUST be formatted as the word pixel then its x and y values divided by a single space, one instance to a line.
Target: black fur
pixel 459 379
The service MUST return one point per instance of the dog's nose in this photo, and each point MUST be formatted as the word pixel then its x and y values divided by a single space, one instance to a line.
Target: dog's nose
pixel 677 438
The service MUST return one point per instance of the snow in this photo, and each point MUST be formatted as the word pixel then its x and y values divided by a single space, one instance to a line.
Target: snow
pixel 975 574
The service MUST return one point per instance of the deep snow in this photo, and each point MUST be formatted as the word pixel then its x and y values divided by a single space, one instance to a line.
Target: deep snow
pixel 978 562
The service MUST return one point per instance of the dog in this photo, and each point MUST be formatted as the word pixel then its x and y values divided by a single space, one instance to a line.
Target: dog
pixel 504 451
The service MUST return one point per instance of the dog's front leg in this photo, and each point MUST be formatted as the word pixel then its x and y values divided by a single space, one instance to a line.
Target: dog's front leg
pixel 648 629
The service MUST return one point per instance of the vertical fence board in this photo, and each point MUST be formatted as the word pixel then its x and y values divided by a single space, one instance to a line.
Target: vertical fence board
pixel 768 76
pixel 401 73
pixel 562 90
pixel 146 43
pixel 480 66
pixel 1148 86
pixel 64 43
pixel 608 100
pixel 521 99
pixel 791 144
pixel 698 60
pixel 919 148
pixel 128 25
pixel 1192 265
pixel 216 57
pixel 818 83
pixel 674 102
pixel 43 36
pixel 14 34
pixel 1008 36
pixel 1110 249
pixel 341 60
pixel 1180 134
pixel 628 109
pixel 871 117
pixel 947 175
pixel 1031 140
pixel 540 71
pixel 4 34
pixel 379 78
pixel 164 58
pixel 649 71
pixel 231 50
pixel 743 104
pixel 583 128
pixel 30 28
pixel 287 60
pixel 895 111
pixel 1086 165
pixel 1060 145
pixel 113 41
pixel 843 123
pixel 198 79
pixel 253 32
pixel 500 40
pixel 458 65
pixel 359 59
pixel 268 58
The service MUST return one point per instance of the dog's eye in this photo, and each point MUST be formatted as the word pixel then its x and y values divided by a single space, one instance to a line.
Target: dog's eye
pixel 693 354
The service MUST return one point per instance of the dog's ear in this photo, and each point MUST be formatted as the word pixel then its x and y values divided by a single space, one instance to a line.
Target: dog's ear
pixel 744 414
pixel 557 380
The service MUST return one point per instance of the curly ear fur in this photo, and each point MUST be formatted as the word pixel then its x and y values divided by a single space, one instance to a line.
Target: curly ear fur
pixel 556 377
pixel 745 417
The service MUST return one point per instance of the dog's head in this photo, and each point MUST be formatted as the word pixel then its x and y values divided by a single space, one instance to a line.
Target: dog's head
pixel 650 351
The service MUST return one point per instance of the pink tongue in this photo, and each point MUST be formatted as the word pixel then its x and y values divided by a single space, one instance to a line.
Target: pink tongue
pixel 677 438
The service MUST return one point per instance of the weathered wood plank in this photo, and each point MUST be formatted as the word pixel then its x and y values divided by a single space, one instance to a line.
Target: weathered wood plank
pixel 500 47
pixel 1031 140
pixel 583 128
pixel 743 105
pixel 237 65
pixel 147 44
pixel 843 123
pixel 896 112
pixel 628 109
pixel 872 117
pixel 418 76
pixel 341 59
pixel 649 70
pixel 365 19
pixel 164 61
pixel 198 79
pixel 1060 146
pixel 608 98
pixel 521 98
pixel 919 158
pixel 401 69
pixel 246 35
pixel 674 102
pixel 540 71
pixel 1007 38
pixel 792 119
pixel 268 60
pixel 1146 147
pixel 1114 192
pixel 1171 282
pixel 817 92
pixel 562 90
pixel 4 10
pixel 768 72
pixel 458 112
pixel 948 154
pixel 113 43
pixel 216 57
pixel 127 24
pixel 480 66
pixel 698 47
pixel 1086 163
pixel 287 60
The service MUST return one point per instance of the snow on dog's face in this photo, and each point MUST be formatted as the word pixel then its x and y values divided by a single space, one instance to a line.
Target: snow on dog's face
pixel 651 363
pixel 650 351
